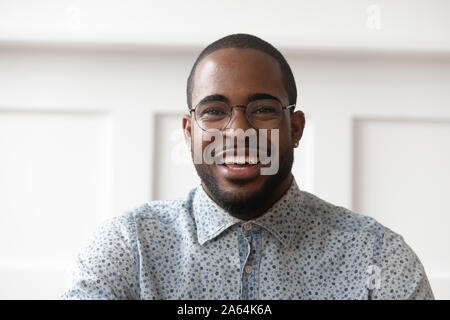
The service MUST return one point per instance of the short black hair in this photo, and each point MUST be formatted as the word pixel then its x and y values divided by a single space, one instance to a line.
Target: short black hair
pixel 243 40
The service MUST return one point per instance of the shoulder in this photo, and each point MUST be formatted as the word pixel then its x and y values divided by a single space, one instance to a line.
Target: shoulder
pixel 163 211
pixel 401 273
pixel 127 225
pixel 346 224
pixel 341 219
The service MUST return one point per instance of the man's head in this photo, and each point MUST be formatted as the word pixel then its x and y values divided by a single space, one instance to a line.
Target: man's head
pixel 242 41
pixel 234 70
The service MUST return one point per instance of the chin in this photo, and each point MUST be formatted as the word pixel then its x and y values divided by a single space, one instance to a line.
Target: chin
pixel 243 185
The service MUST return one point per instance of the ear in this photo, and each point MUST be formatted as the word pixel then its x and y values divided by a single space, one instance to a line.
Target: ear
pixel 186 123
pixel 297 126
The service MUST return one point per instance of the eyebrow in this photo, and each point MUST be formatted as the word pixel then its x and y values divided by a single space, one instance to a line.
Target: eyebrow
pixel 212 97
pixel 252 97
pixel 262 96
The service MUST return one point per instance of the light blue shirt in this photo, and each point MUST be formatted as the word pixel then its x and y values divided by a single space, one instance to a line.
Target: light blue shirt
pixel 302 248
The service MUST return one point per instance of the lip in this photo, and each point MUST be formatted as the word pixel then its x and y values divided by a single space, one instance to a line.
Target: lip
pixel 239 171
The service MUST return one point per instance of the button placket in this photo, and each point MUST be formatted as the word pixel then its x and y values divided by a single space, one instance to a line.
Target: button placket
pixel 248 261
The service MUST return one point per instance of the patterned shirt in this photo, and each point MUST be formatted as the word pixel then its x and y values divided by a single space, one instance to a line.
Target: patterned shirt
pixel 301 248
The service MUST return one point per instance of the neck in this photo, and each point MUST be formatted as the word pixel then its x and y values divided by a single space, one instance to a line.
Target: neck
pixel 278 193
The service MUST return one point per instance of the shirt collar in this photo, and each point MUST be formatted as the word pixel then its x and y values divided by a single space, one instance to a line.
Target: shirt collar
pixel 280 220
pixel 210 218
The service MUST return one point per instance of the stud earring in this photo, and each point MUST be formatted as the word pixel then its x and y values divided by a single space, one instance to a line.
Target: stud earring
pixel 296 144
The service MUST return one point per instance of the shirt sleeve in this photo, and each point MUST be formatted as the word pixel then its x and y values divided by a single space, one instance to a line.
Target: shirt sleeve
pixel 402 275
pixel 106 268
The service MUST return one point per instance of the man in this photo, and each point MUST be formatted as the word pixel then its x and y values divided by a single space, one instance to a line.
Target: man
pixel 243 234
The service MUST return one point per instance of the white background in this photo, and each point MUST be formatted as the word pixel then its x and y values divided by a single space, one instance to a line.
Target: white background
pixel 92 93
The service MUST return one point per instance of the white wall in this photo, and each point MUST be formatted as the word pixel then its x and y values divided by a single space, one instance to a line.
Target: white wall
pixel 405 24
pixel 91 95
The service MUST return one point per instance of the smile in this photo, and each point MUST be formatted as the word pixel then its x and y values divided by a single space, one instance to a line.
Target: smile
pixel 240 167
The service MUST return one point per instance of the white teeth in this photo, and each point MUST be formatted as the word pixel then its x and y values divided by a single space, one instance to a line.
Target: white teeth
pixel 229 159
pixel 253 160
pixel 240 160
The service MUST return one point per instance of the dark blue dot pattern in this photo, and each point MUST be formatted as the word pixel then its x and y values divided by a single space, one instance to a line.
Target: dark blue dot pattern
pixel 302 248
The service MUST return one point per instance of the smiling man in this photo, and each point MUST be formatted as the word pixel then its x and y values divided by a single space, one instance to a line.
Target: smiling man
pixel 248 231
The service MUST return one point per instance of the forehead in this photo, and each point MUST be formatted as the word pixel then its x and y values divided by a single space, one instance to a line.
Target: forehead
pixel 237 73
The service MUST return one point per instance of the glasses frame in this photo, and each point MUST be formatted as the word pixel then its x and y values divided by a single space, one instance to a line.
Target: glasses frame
pixel 231 114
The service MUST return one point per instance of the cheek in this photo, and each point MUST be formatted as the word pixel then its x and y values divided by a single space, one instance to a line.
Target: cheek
pixel 197 137
pixel 285 133
pixel 282 141
pixel 199 143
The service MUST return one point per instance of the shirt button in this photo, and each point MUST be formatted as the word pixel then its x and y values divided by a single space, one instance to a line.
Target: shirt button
pixel 247 226
pixel 248 269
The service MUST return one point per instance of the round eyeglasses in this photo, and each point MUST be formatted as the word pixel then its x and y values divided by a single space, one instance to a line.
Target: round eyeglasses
pixel 261 114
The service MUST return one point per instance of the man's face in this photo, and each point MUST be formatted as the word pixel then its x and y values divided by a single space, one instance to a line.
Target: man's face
pixel 237 74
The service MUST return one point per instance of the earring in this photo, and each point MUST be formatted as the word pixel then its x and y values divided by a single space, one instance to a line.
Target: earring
pixel 296 144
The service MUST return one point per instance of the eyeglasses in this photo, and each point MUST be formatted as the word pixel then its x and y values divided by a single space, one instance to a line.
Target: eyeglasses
pixel 261 114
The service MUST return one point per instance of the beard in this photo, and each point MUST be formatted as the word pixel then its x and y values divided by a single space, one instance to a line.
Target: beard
pixel 246 205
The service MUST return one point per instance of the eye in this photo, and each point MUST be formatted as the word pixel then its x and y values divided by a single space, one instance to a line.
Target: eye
pixel 213 111
pixel 264 109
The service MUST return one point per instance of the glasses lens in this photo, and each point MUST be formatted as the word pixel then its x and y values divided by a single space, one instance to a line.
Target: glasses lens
pixel 212 115
pixel 264 114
